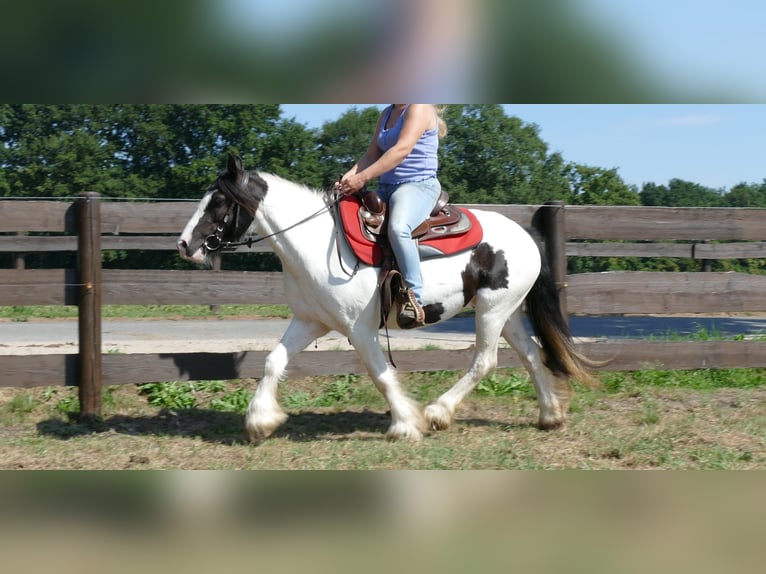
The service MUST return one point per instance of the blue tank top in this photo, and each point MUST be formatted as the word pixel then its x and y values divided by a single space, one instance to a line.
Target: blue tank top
pixel 422 162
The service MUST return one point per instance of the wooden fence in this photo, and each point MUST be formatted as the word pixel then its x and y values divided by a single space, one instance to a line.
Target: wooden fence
pixel 89 226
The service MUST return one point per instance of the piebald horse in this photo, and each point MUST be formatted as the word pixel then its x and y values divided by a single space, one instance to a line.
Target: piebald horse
pixel 506 269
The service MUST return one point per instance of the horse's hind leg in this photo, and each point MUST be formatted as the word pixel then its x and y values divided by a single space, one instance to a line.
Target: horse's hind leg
pixel 553 392
pixel 264 414
pixel 440 413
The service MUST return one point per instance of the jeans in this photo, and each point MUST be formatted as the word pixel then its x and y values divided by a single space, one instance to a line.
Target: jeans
pixel 409 205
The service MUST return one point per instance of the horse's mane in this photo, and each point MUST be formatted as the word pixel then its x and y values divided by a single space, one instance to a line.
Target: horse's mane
pixel 248 191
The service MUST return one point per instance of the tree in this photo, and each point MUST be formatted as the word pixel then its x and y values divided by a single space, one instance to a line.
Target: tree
pixel 747 195
pixel 149 151
pixel 344 141
pixel 680 193
pixel 653 194
pixel 597 186
pixel 54 150
pixel 203 134
pixel 291 152
pixel 489 157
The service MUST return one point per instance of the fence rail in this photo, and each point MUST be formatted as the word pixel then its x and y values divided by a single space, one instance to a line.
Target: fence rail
pixel 89 226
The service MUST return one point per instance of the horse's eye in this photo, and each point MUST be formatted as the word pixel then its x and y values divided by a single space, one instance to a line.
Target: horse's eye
pixel 217 201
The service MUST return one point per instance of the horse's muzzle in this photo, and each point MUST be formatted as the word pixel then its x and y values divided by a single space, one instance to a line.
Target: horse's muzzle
pixel 182 248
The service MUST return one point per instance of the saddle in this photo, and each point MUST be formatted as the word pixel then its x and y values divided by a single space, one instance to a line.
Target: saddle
pixel 443 221
pixel 447 231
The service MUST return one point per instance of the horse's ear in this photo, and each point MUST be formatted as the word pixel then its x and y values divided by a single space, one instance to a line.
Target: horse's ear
pixel 234 165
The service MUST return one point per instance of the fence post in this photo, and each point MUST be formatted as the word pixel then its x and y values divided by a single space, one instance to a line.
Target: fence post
pixel 89 374
pixel 217 264
pixel 707 264
pixel 556 249
pixel 18 258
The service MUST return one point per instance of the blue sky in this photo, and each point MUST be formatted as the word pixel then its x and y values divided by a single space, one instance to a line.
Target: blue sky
pixel 689 41
pixel 715 145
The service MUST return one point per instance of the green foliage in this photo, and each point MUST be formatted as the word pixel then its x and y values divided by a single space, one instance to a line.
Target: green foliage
pixel 679 193
pixel 597 186
pixel 148 151
pixel 700 380
pixel 66 402
pixel 22 404
pixel 335 392
pixel 747 195
pixel 175 395
pixel 339 391
pixel 489 157
pixel 153 151
pixel 174 150
pixel 498 385
pixel 650 415
pixel 342 142
pixel 69 406
pixel 235 401
pixel 24 313
pixel 217 395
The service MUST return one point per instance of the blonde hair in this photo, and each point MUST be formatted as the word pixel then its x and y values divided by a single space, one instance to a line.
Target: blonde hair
pixel 442 125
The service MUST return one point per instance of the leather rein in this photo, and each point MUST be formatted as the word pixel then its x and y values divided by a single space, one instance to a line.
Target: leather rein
pixel 215 242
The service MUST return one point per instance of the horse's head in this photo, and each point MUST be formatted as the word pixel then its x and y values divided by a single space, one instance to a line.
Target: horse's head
pixel 224 213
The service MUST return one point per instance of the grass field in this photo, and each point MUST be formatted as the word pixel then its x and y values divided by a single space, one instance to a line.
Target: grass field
pixel 707 419
pixel 711 419
pixel 27 313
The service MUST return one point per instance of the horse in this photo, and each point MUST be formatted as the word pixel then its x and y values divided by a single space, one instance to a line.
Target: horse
pixel 328 289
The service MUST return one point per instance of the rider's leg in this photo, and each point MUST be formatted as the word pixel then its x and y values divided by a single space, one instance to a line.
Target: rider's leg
pixel 409 205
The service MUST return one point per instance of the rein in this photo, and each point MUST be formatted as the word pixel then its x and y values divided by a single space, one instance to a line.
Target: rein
pixel 214 241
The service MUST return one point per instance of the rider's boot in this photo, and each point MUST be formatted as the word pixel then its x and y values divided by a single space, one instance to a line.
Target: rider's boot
pixel 411 313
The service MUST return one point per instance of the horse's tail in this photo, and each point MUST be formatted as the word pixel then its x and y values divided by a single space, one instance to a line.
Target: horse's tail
pixel 551 329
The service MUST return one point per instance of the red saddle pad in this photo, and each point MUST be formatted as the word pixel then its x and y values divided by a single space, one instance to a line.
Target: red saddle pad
pixel 371 254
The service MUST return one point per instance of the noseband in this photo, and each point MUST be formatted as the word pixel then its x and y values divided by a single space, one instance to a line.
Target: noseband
pixel 214 241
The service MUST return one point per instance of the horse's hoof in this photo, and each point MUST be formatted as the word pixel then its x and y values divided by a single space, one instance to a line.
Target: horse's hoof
pixel 401 431
pixel 548 424
pixel 252 437
pixel 438 417
pixel 257 432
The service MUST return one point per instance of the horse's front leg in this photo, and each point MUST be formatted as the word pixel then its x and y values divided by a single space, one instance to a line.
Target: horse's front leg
pixel 407 420
pixel 264 414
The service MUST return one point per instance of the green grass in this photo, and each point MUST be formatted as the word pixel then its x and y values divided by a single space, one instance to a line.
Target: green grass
pixel 22 404
pixel 707 419
pixel 25 313
pixel 703 333
pixel 349 390
pixel 504 383
pixel 701 379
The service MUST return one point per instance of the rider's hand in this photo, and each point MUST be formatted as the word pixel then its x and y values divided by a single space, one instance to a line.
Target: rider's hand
pixel 351 184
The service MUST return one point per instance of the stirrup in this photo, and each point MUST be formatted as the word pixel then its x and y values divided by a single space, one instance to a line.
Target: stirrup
pixel 411 313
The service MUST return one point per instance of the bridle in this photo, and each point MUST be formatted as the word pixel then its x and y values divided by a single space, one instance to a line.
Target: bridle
pixel 215 242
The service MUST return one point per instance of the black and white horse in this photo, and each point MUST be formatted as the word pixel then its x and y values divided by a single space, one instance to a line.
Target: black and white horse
pixel 503 271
